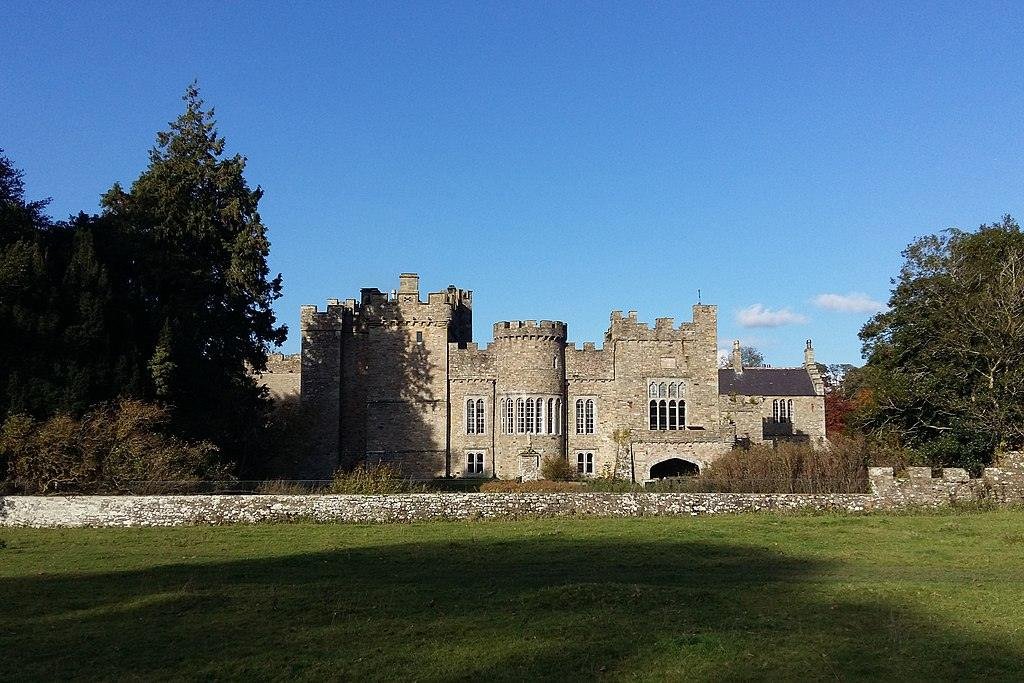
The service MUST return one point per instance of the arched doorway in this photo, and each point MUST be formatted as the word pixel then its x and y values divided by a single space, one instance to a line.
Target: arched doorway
pixel 674 467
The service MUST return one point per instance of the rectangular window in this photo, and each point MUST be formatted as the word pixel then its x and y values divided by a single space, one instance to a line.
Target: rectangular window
pixel 419 337
pixel 474 463
pixel 585 462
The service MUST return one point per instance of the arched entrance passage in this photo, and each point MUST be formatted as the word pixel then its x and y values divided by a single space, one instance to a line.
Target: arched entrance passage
pixel 674 467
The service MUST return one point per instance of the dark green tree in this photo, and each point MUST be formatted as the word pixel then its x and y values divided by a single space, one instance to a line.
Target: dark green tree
pixel 200 261
pixel 945 364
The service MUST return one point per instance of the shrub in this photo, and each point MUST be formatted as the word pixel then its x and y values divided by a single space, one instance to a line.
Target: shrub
pixel 791 468
pixel 557 468
pixel 283 487
pixel 111 449
pixel 372 479
pixel 538 486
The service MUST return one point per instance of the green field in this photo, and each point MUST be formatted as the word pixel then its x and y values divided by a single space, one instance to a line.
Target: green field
pixel 914 597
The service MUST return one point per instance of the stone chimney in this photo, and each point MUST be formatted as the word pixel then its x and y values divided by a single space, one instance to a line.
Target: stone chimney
pixel 737 357
pixel 408 287
pixel 812 369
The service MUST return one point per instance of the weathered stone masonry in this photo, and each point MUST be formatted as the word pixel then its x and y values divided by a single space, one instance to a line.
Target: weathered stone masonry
pixel 392 378
pixel 1002 485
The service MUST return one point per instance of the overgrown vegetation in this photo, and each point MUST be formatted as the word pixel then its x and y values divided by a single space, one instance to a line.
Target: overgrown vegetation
pixel 557 468
pixel 538 486
pixel 750 597
pixel 111 449
pixel 373 479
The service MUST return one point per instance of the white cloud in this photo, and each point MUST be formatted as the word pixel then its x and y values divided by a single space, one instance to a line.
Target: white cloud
pixel 854 302
pixel 759 316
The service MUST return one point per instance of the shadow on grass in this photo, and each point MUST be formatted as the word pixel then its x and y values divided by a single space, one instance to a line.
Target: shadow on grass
pixel 550 607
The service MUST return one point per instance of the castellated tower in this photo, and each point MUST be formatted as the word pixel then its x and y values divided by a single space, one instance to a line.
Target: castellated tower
pixel 374 376
pixel 529 360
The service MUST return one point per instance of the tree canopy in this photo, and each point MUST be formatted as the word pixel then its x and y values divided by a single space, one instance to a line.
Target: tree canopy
pixel 165 296
pixel 945 362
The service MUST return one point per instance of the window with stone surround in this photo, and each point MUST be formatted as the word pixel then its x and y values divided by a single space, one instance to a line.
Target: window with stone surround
pixel 475 463
pixel 475 416
pixel 667 415
pixel 531 415
pixel 585 462
pixel 585 415
pixel 782 410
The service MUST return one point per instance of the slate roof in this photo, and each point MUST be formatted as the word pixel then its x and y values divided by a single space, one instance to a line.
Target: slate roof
pixel 765 382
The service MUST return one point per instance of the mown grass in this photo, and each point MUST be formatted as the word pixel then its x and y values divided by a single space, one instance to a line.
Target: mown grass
pixel 830 597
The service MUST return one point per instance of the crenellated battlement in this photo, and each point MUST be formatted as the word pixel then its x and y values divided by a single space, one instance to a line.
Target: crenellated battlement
pixel 919 486
pixel 546 329
pixel 629 328
pixel 403 306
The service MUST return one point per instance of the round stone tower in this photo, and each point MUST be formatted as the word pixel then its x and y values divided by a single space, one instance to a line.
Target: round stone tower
pixel 530 394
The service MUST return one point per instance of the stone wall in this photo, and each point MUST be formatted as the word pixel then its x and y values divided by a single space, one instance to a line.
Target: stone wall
pixel 126 511
pixel 1002 485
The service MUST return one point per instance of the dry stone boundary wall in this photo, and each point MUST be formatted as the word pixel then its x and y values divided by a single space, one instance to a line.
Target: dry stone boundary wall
pixel 1002 485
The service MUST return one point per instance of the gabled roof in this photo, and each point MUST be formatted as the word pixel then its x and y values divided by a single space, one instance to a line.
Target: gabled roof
pixel 765 382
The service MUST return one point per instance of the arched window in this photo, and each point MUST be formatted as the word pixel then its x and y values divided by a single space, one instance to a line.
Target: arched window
pixel 662 415
pixel 652 390
pixel 529 416
pixel 672 390
pixel 504 416
pixel 681 407
pixel 584 462
pixel 520 416
pixel 539 418
pixel 471 416
pixel 554 362
pixel 672 414
pixel 558 416
pixel 661 390
pixel 588 418
pixel 509 415
pixel 775 410
pixel 789 411
pixel 579 416
pixel 479 416
pixel 653 416
pixel 551 415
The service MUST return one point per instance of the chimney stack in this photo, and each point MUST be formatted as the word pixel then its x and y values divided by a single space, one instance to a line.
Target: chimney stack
pixel 408 287
pixel 737 357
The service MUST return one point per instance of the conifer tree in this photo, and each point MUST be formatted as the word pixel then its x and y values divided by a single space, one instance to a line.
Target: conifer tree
pixel 200 262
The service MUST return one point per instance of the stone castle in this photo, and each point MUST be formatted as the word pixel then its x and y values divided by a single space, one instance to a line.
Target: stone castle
pixel 392 378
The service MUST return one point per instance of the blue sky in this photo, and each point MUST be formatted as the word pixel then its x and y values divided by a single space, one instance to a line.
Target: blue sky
pixel 561 160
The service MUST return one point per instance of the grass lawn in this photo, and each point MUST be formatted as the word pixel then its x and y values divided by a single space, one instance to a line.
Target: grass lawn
pixel 759 596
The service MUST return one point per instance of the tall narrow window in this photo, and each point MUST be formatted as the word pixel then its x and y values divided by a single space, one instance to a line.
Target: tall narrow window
pixel 681 407
pixel 538 421
pixel 775 410
pixel 504 416
pixel 588 417
pixel 479 416
pixel 789 411
pixel 471 416
pixel 520 416
pixel 653 416
pixel 529 416
pixel 558 416
pixel 662 415
pixel 672 414
pixel 510 416
pixel 551 415
pixel 579 416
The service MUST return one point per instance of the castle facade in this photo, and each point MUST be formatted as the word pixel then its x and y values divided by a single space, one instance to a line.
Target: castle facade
pixel 393 378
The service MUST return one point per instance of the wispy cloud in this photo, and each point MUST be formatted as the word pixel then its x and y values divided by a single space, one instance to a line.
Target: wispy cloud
pixel 854 302
pixel 760 316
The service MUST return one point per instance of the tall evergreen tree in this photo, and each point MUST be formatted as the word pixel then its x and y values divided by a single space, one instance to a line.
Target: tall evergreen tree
pixel 200 264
